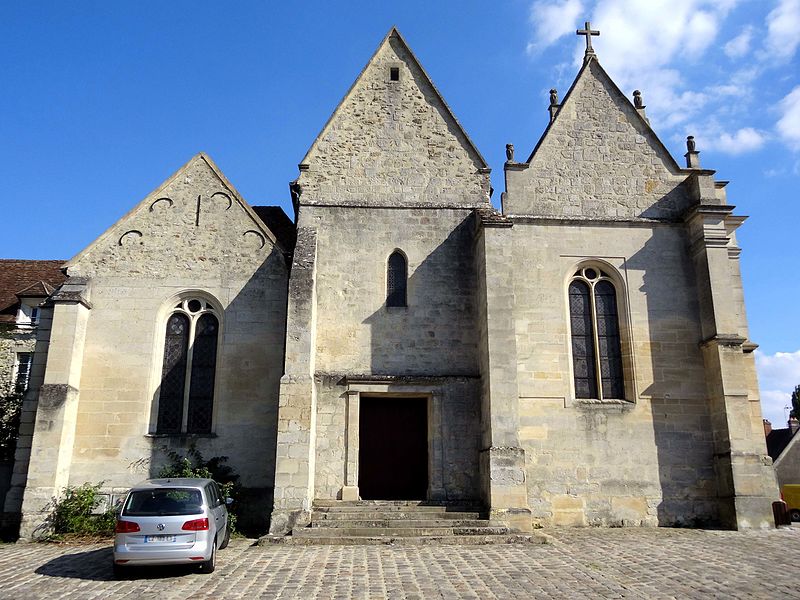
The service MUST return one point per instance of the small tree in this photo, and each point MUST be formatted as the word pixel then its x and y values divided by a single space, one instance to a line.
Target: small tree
pixel 795 403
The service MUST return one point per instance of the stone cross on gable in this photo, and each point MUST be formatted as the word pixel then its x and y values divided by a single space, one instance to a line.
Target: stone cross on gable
pixel 588 32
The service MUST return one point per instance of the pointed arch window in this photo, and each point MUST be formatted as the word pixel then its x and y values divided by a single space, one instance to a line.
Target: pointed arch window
pixel 594 326
pixel 396 279
pixel 186 396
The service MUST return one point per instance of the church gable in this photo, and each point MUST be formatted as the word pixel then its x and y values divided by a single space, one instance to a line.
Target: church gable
pixel 194 224
pixel 597 159
pixel 393 141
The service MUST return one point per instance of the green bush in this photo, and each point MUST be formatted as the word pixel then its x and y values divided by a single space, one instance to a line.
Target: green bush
pixel 194 465
pixel 72 514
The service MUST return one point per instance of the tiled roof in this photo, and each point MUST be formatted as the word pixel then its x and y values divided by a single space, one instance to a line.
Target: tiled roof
pixel 777 440
pixel 490 216
pixel 37 278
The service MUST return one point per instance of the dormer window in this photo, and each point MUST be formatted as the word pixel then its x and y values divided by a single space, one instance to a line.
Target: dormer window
pixel 28 312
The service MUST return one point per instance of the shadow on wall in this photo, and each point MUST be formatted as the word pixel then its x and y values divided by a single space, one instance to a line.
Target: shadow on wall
pixel 435 333
pixel 678 400
pixel 249 365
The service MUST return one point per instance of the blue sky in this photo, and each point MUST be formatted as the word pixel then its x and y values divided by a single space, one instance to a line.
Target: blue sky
pixel 104 100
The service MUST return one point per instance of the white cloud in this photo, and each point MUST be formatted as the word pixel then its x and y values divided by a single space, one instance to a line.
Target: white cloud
pixel 778 374
pixel 783 25
pixel 740 45
pixel 788 125
pixel 742 141
pixel 552 20
pixel 642 43
pixel 672 51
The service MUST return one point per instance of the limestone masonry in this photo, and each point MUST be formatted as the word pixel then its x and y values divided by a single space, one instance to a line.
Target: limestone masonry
pixel 580 357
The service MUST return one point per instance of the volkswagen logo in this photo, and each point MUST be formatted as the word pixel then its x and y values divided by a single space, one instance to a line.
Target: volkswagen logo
pixel 160 526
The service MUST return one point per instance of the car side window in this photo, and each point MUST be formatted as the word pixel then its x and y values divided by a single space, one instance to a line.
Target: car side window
pixel 218 493
pixel 212 499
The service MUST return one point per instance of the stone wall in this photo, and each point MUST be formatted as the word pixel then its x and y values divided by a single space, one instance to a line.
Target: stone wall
pixel 434 336
pixel 356 332
pixel 597 159
pixel 191 237
pixel 645 460
pixel 393 143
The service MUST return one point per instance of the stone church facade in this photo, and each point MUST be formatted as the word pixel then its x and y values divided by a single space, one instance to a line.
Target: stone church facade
pixel 580 357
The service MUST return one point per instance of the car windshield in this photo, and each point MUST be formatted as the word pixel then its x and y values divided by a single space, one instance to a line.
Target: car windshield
pixel 164 502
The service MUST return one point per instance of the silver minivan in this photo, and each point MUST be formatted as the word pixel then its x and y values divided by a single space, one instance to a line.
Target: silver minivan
pixel 171 521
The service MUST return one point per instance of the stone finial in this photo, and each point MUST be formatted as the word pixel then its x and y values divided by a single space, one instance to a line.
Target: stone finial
pixel 554 105
pixel 692 154
pixel 509 152
pixel 639 105
pixel 588 32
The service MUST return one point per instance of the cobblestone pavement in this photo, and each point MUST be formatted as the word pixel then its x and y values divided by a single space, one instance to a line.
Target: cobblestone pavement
pixel 580 563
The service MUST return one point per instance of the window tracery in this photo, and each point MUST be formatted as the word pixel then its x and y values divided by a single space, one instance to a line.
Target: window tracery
pixel 595 336
pixel 186 395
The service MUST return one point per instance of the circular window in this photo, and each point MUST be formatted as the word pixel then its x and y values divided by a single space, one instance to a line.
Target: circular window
pixel 590 274
pixel 194 306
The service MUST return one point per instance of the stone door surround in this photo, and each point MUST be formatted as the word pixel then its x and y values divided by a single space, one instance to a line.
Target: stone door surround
pixel 392 387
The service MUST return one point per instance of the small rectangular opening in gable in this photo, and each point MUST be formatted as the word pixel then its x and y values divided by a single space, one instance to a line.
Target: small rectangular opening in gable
pixel 394 73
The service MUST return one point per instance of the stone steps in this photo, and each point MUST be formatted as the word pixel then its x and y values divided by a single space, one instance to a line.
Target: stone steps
pixel 386 504
pixel 431 540
pixel 400 521
pixel 317 532
pixel 395 508
pixel 393 523
pixel 375 515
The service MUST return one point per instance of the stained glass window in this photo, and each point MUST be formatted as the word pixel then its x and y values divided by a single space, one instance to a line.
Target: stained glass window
pixel 583 348
pixel 186 396
pixel 173 374
pixel 204 364
pixel 596 346
pixel 396 276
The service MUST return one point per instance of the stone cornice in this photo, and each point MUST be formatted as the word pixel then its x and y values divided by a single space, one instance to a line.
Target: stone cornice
pixel 404 205
pixel 396 379
pixel 730 340
pixel 545 219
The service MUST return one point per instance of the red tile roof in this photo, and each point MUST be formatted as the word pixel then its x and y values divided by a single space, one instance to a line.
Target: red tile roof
pixel 37 278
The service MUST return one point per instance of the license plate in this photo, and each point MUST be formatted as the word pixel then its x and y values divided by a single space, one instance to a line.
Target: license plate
pixel 158 538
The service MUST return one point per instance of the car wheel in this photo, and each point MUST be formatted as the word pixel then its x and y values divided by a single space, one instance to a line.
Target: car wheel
pixel 227 538
pixel 209 565
pixel 795 514
pixel 120 572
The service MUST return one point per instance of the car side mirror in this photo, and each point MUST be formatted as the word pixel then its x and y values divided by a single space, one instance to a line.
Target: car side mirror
pixel 228 501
